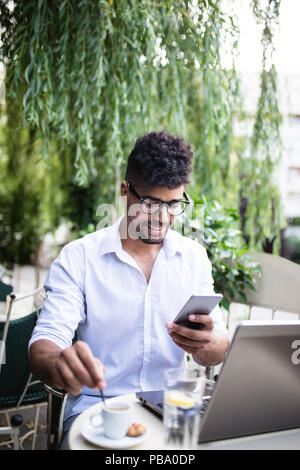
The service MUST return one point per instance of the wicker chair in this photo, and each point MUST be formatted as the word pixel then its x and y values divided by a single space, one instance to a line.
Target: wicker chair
pixel 18 388
pixel 57 400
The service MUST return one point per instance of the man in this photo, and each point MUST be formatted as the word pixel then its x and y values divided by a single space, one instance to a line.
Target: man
pixel 121 286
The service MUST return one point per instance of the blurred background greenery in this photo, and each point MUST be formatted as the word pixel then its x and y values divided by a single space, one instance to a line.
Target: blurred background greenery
pixel 83 80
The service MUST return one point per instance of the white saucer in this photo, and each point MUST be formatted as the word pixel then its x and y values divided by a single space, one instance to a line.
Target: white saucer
pixel 97 437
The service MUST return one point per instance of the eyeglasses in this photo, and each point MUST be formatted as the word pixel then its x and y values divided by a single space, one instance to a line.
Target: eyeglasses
pixel 152 205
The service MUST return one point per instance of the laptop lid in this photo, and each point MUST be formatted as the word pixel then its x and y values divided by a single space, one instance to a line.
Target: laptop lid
pixel 258 387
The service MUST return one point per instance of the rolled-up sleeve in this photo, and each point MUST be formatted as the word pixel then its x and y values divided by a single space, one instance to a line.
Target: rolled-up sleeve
pixel 64 307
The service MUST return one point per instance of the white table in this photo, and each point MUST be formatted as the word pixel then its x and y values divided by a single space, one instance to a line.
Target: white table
pixel 287 440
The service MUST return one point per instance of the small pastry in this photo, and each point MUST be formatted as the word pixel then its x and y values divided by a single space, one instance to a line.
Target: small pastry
pixel 136 429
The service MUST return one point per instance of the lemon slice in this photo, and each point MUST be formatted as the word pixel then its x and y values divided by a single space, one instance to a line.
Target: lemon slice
pixel 179 399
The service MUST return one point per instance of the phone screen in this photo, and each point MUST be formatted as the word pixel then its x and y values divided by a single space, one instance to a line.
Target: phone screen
pixel 203 304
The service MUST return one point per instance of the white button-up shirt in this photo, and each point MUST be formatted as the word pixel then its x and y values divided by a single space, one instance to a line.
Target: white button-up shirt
pixel 96 288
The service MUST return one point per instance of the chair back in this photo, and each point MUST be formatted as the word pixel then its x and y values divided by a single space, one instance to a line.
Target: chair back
pixel 15 333
pixel 278 286
pixel 5 290
pixel 15 368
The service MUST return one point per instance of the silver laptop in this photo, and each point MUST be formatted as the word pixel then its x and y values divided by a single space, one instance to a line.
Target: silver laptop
pixel 258 389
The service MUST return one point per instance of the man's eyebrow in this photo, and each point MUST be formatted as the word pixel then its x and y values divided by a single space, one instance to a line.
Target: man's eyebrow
pixel 161 200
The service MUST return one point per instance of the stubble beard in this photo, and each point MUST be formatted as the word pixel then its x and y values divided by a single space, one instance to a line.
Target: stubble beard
pixel 147 239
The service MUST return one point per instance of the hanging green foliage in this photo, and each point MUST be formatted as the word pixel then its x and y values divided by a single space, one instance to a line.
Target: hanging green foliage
pixel 214 102
pixel 89 77
pixel 263 212
pixel 217 228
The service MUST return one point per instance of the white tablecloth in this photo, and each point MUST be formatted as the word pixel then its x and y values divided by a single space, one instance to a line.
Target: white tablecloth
pixel 289 439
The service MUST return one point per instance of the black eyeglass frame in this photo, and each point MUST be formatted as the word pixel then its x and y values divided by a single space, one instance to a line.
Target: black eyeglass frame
pixel 159 201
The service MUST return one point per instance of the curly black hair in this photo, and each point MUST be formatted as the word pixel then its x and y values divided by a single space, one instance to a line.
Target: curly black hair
pixel 159 159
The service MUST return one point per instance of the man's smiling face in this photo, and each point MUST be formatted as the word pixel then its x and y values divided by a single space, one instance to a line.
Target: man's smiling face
pixel 150 227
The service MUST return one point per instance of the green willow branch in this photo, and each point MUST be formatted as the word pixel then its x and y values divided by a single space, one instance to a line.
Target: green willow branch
pixel 263 213
pixel 86 78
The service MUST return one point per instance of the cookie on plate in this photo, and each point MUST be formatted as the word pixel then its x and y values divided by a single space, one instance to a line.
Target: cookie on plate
pixel 136 429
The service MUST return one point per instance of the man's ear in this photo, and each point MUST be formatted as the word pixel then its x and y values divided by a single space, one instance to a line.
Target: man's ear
pixel 124 191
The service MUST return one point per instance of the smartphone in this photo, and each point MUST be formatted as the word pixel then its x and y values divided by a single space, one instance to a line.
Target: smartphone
pixel 197 304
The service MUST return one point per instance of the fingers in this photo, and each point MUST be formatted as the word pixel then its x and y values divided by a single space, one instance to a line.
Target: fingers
pixel 68 381
pixel 76 366
pixel 191 347
pixel 196 335
pixel 205 320
pixel 191 340
pixel 92 365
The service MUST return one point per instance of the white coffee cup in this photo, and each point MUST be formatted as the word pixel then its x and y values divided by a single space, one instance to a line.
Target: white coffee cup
pixel 114 420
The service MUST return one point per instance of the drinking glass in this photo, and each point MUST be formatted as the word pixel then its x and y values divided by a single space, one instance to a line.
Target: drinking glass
pixel 183 398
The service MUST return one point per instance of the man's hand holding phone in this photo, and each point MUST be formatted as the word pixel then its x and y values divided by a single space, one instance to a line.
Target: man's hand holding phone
pixel 191 340
pixel 193 330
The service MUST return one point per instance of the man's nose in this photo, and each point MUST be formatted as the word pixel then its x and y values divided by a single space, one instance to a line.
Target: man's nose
pixel 164 216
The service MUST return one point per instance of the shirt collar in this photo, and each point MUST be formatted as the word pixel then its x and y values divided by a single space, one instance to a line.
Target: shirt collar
pixel 111 241
pixel 172 243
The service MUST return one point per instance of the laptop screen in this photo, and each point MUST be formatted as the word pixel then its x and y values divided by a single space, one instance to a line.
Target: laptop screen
pixel 258 387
